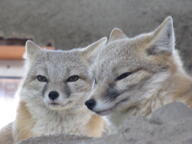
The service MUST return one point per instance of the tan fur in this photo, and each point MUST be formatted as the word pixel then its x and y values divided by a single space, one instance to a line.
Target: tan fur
pixel 36 115
pixel 116 33
pixel 23 123
pixel 156 76
pixel 95 126
pixel 6 135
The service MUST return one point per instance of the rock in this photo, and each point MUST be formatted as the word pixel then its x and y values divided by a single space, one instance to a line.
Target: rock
pixel 136 130
pixel 188 141
pixel 171 112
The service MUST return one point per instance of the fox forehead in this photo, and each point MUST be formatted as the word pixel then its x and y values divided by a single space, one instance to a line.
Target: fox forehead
pixel 115 58
pixel 125 55
pixel 59 64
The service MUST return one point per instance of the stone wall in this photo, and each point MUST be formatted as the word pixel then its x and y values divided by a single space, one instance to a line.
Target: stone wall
pixel 74 23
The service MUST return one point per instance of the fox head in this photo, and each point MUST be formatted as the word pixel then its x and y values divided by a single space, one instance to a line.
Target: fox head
pixel 129 70
pixel 57 79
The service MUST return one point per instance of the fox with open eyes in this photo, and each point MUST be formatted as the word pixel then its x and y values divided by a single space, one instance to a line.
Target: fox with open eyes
pixel 53 93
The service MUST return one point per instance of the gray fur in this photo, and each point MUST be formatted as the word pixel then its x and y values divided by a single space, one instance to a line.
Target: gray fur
pixel 64 114
pixel 123 54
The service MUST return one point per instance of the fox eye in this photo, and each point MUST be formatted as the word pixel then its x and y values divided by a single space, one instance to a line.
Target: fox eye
pixel 73 78
pixel 124 75
pixel 42 78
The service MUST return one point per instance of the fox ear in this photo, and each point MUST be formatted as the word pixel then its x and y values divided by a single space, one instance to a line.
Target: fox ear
pixel 163 38
pixel 31 49
pixel 116 34
pixel 91 50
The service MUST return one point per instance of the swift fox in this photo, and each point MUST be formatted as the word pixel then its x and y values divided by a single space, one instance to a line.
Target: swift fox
pixel 53 93
pixel 135 76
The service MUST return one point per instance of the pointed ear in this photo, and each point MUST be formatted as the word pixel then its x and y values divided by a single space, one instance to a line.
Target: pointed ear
pixel 163 38
pixel 31 49
pixel 116 34
pixel 91 50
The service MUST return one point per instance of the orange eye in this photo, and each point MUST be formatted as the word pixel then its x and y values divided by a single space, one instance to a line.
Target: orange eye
pixel 42 78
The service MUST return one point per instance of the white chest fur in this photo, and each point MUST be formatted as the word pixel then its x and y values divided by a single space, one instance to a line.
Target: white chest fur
pixel 49 122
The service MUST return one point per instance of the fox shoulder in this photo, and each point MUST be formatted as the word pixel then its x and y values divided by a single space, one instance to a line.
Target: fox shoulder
pixel 23 123
pixel 6 135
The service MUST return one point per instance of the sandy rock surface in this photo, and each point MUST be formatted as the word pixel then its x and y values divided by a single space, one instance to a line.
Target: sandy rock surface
pixel 171 124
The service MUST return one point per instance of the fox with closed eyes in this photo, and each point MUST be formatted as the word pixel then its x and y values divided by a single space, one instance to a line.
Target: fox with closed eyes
pixel 136 76
pixel 53 93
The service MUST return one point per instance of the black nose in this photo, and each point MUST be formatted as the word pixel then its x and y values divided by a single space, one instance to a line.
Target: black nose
pixel 90 104
pixel 53 95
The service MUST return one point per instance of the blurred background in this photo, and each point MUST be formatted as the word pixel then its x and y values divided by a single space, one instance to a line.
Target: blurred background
pixel 66 24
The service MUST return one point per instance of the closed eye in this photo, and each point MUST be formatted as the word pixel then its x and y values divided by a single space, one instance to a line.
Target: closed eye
pixel 123 75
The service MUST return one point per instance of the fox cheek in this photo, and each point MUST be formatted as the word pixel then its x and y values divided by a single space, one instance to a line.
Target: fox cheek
pixel 112 94
pixel 67 91
pixel 44 90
